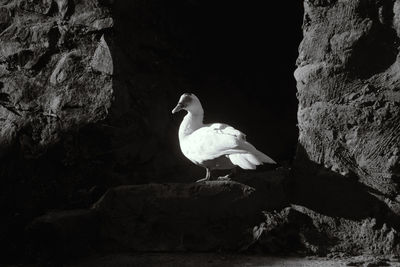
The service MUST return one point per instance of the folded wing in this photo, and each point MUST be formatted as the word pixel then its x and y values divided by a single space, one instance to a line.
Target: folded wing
pixel 216 140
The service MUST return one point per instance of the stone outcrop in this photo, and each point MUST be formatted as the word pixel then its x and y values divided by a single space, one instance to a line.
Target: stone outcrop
pixel 55 81
pixel 347 163
pixel 180 217
pixel 47 86
pixel 348 90
pixel 209 216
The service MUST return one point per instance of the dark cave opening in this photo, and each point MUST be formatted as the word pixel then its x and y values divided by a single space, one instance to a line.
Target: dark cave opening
pixel 237 58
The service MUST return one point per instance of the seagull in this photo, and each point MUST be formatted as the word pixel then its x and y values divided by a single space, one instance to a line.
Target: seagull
pixel 215 146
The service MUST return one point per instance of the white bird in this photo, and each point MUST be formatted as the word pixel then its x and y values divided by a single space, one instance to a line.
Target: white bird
pixel 214 146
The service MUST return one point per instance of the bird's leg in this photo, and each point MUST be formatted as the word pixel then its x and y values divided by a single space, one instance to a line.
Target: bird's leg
pixel 208 175
pixel 228 176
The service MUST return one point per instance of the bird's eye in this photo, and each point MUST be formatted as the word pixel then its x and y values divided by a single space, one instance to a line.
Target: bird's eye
pixel 185 101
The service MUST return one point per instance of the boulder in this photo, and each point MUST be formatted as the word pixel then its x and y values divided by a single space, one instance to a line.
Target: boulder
pixel 207 216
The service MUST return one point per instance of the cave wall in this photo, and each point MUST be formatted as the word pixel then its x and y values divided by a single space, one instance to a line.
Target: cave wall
pixel 347 163
pixel 55 71
pixel 55 79
pixel 348 91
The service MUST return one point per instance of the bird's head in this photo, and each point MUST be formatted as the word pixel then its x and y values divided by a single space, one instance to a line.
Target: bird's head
pixel 190 103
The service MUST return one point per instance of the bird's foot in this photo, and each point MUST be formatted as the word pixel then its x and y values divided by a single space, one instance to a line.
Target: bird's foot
pixel 225 178
pixel 203 180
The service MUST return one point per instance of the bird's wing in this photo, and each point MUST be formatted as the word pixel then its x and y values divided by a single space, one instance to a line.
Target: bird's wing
pixel 215 140
pixel 223 128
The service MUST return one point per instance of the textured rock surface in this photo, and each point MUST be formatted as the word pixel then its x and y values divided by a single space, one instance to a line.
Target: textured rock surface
pixel 49 93
pixel 47 86
pixel 347 165
pixel 180 217
pixel 348 90
pixel 162 217
pixel 299 229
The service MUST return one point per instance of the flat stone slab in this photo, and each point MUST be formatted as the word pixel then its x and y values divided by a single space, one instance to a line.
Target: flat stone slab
pixel 179 217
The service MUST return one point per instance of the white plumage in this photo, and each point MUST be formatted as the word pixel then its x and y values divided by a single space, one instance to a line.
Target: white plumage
pixel 217 145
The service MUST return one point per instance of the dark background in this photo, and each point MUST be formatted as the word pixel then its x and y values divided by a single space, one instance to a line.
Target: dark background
pixel 237 57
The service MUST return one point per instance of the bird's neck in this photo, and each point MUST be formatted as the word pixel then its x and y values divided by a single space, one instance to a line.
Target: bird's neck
pixel 190 123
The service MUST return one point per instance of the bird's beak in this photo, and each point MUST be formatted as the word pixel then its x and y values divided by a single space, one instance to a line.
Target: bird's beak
pixel 178 107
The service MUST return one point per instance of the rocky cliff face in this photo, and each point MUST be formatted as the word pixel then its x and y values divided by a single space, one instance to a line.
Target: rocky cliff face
pixel 348 90
pixel 55 71
pixel 55 80
pixel 349 112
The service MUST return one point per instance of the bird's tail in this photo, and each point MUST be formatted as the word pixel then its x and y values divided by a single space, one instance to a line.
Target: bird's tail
pixel 250 160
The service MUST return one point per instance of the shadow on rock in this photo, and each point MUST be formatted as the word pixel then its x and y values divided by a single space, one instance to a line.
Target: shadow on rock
pixel 354 216
pixel 334 195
